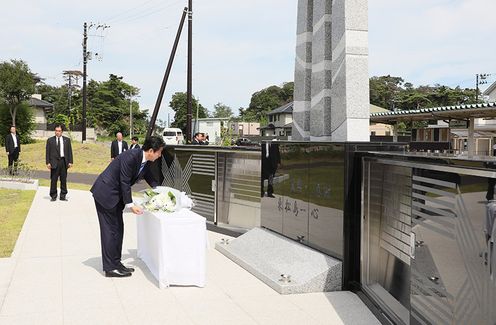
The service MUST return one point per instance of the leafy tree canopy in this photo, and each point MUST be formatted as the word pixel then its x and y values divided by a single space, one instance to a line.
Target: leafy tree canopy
pixel 222 111
pixel 266 100
pixel 179 103
pixel 392 92
pixel 17 84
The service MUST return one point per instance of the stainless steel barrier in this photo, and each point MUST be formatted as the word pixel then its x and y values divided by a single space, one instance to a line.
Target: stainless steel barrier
pixel 428 254
pixel 223 182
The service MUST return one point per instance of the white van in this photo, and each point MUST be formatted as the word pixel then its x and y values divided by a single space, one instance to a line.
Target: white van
pixel 173 136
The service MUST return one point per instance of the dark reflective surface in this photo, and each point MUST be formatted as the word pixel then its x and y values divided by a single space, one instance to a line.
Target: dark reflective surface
pixel 326 198
pixel 305 197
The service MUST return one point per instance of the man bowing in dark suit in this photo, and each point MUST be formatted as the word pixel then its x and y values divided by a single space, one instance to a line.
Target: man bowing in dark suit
pixel 13 147
pixel 58 160
pixel 112 193
pixel 118 146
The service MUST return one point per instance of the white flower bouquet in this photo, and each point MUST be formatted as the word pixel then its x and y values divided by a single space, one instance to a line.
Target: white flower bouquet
pixel 165 199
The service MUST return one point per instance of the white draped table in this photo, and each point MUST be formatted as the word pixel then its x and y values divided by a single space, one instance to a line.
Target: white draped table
pixel 173 246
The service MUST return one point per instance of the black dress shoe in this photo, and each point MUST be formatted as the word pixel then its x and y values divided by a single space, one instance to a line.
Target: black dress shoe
pixel 53 199
pixel 126 269
pixel 117 274
pixel 63 198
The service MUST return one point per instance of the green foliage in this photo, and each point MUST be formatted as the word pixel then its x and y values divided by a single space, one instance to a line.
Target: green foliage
pixel 118 126
pixel 25 123
pixel 16 86
pixel 222 111
pixel 179 103
pixel 266 100
pixel 392 92
pixel 108 105
pixel 60 119
pixel 226 134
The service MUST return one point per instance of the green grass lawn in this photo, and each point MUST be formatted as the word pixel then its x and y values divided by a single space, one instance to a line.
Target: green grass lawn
pixel 14 207
pixel 89 158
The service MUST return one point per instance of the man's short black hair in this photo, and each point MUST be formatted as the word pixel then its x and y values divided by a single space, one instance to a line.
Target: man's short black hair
pixel 135 139
pixel 154 143
pixel 196 134
pixel 59 125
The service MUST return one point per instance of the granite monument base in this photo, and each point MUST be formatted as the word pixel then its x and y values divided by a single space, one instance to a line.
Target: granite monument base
pixel 283 264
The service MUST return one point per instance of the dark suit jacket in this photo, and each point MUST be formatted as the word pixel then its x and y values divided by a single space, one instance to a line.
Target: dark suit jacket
pixel 270 164
pixel 53 155
pixel 9 143
pixel 195 141
pixel 114 184
pixel 114 148
pixel 134 146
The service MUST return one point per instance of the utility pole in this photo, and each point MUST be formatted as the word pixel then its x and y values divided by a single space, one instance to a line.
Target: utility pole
pixel 130 116
pixel 86 57
pixel 190 71
pixel 85 61
pixel 69 99
pixel 153 118
pixel 70 76
pixel 480 79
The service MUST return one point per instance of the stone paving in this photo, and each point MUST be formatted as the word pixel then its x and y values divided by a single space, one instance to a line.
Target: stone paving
pixel 54 277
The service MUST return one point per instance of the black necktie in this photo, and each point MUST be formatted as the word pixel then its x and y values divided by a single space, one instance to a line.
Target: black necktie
pixel 58 145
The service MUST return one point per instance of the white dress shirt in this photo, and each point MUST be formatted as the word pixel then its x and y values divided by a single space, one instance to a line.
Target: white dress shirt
pixel 15 139
pixel 119 144
pixel 61 144
pixel 129 205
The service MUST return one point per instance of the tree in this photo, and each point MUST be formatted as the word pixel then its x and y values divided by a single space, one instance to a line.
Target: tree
pixel 108 106
pixel 25 122
pixel 222 111
pixel 179 103
pixel 384 90
pixel 393 92
pixel 266 100
pixel 16 85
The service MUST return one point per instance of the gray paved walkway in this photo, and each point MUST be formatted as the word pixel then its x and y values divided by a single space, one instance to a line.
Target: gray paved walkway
pixel 54 277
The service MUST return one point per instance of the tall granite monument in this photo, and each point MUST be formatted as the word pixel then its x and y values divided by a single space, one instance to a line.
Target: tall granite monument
pixel 331 96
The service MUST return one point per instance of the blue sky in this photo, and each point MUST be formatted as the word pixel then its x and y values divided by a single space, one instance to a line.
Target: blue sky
pixel 241 46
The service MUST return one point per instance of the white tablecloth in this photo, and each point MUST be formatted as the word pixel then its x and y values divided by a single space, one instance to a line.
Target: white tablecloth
pixel 173 246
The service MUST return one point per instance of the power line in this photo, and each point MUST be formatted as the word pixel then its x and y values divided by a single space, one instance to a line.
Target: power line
pixel 127 10
pixel 144 13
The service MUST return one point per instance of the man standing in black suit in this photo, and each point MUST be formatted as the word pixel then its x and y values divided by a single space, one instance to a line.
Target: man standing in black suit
pixel 58 160
pixel 112 193
pixel 134 143
pixel 271 160
pixel 118 146
pixel 13 147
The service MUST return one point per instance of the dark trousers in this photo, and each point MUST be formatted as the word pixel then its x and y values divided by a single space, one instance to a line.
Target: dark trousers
pixel 13 157
pixel 270 186
pixel 55 174
pixel 491 182
pixel 111 235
